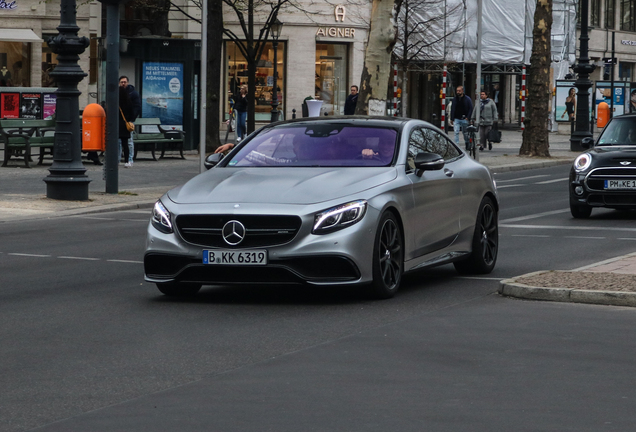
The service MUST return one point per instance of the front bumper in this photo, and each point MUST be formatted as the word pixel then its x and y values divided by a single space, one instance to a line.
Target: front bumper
pixel 593 192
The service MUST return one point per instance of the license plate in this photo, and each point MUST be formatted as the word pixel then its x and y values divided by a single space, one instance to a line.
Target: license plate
pixel 620 184
pixel 233 257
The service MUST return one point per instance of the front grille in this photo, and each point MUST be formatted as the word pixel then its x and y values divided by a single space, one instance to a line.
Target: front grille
pixel 260 231
pixel 595 180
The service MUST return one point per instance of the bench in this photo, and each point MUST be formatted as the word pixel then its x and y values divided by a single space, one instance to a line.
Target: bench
pixel 20 135
pixel 164 139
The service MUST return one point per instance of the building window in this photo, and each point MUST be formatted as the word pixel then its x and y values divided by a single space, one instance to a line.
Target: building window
pixel 625 71
pixel 49 62
pixel 331 76
pixel 595 13
pixel 610 15
pixel 15 62
pixel 237 75
pixel 92 68
pixel 628 15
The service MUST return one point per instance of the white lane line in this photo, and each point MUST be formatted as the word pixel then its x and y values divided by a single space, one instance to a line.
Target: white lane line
pixel 552 181
pixel 30 255
pixel 481 278
pixel 79 258
pixel 576 228
pixel 583 237
pixel 536 215
pixel 507 186
pixel 522 178
pixel 97 218
pixel 126 261
pixel 530 235
pixel 626 238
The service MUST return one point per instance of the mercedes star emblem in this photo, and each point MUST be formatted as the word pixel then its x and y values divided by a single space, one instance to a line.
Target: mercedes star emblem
pixel 233 232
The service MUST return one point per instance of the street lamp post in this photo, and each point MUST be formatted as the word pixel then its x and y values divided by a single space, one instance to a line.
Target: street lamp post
pixel 67 179
pixel 275 28
pixel 583 69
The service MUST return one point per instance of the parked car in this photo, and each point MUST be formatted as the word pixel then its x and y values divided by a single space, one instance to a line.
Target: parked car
pixel 326 201
pixel 605 175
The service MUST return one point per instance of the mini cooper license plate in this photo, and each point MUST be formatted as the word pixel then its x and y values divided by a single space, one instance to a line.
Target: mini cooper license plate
pixel 233 257
pixel 620 184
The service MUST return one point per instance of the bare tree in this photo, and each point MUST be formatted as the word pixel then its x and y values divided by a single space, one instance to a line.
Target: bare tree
pixel 157 11
pixel 374 83
pixel 422 24
pixel 535 134
pixel 214 76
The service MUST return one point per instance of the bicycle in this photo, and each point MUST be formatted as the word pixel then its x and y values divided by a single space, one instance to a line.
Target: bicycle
pixel 471 147
pixel 231 121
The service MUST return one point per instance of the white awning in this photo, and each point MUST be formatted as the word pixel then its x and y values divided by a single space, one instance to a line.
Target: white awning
pixel 18 35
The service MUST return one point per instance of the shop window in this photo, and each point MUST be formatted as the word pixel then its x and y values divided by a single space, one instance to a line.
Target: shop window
pixel 237 75
pixel 628 15
pixel 92 73
pixel 626 71
pixel 49 62
pixel 610 15
pixel 15 62
pixel 331 77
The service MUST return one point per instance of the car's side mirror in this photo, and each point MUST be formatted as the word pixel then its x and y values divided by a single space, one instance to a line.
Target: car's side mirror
pixel 212 160
pixel 426 161
pixel 587 143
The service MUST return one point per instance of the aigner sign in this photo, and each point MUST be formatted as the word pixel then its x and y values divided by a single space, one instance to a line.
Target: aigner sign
pixel 8 5
pixel 336 32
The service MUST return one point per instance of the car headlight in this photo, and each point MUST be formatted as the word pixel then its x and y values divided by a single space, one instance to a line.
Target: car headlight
pixel 583 162
pixel 161 218
pixel 339 217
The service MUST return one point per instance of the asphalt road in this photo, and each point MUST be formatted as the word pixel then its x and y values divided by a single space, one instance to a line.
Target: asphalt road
pixel 87 345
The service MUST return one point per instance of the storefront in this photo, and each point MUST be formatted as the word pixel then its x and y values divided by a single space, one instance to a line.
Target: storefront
pixel 318 57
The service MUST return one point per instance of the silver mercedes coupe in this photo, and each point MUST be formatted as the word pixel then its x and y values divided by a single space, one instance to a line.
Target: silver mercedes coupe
pixel 326 201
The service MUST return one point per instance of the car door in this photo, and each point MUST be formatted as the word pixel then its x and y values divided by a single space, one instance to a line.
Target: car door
pixel 433 222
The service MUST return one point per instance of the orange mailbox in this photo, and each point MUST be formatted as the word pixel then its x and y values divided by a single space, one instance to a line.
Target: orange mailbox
pixel 603 114
pixel 93 128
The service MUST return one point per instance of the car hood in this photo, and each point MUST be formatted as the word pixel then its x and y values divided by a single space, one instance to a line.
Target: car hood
pixel 279 185
pixel 613 155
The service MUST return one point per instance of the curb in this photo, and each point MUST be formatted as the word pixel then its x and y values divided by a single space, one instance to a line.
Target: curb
pixel 526 166
pixel 511 288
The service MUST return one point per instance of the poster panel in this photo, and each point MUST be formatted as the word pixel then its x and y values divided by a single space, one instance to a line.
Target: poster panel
pixel 631 103
pixel 603 93
pixel 565 92
pixel 10 105
pixel 162 93
pixel 49 101
pixel 31 106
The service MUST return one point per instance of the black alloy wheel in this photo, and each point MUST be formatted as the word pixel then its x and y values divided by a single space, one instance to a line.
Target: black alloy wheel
pixel 176 289
pixel 485 242
pixel 388 257
pixel 580 211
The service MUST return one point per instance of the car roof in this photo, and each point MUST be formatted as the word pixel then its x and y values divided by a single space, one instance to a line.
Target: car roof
pixel 373 121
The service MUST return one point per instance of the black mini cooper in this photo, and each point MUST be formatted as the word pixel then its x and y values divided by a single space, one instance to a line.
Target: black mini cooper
pixel 605 175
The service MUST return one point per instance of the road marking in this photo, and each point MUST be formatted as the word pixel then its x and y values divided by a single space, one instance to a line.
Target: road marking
pixel 507 186
pixel 552 181
pixel 579 228
pixel 583 237
pixel 626 238
pixel 30 255
pixel 481 278
pixel 529 235
pixel 534 216
pixel 79 258
pixel 126 261
pixel 522 178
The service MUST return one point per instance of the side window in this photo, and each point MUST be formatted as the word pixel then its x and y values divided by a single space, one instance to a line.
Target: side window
pixel 438 143
pixel 416 145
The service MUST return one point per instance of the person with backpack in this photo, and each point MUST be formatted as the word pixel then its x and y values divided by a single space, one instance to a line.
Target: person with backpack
pixel 487 117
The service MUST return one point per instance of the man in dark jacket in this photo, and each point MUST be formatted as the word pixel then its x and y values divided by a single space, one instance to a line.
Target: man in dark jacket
pixel 461 111
pixel 352 100
pixel 135 100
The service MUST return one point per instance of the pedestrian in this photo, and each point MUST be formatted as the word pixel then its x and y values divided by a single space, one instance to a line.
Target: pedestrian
pixel 240 106
pixel 461 110
pixel 351 101
pixel 135 100
pixel 487 117
pixel 126 113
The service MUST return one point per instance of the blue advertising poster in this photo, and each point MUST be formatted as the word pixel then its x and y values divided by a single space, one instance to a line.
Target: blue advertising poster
pixel 603 93
pixel 162 93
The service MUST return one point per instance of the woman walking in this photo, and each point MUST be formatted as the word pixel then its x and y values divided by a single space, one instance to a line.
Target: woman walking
pixel 240 106
pixel 126 114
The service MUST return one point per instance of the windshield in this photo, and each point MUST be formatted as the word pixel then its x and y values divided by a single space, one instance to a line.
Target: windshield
pixel 320 144
pixel 619 132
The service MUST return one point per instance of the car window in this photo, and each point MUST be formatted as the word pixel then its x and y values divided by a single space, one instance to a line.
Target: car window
pixel 431 141
pixel 619 132
pixel 320 144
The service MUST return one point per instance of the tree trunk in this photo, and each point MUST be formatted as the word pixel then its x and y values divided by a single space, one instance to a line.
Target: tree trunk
pixel 536 134
pixel 374 83
pixel 214 66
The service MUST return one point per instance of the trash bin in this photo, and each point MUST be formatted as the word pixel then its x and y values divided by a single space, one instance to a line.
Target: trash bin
pixel 603 114
pixel 93 128
pixel 313 106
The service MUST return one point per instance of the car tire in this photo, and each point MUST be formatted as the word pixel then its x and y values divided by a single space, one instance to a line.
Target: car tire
pixel 580 211
pixel 176 289
pixel 485 244
pixel 388 257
